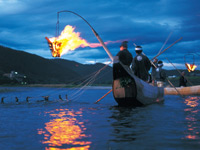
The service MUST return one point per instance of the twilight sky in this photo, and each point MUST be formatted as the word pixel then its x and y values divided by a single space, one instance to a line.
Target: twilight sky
pixel 25 23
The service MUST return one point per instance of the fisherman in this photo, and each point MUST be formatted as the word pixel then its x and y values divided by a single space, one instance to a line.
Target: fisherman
pixel 160 74
pixel 141 64
pixel 125 57
pixel 153 71
pixel 2 100
pixel 60 97
pixel 182 80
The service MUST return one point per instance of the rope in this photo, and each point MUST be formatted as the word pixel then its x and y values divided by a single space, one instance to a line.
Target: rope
pixel 90 82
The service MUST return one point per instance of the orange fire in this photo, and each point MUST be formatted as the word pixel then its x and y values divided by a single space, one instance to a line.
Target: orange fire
pixel 190 67
pixel 69 41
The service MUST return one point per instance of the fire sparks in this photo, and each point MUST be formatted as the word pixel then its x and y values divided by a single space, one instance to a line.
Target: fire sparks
pixel 190 67
pixel 70 40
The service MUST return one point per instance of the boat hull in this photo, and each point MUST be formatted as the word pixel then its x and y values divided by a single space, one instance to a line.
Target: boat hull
pixel 138 93
pixel 125 96
pixel 190 90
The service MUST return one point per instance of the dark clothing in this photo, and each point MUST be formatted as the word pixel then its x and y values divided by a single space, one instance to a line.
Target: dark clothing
pixel 182 81
pixel 140 66
pixel 160 74
pixel 153 71
pixel 126 58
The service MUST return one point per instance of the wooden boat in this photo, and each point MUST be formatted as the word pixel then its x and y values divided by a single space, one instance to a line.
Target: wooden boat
pixel 190 90
pixel 137 93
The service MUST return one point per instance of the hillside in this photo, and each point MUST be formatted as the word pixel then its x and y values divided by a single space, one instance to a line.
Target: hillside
pixel 56 71
pixel 41 70
pixel 104 77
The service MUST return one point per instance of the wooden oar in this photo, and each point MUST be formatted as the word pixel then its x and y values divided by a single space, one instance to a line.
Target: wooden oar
pixel 103 96
pixel 167 48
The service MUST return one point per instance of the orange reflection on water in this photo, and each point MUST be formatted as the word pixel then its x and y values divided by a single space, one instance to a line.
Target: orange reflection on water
pixel 64 130
pixel 192 101
pixel 192 118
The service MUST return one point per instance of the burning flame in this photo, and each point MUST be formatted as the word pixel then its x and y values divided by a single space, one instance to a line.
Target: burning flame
pixel 69 41
pixel 190 67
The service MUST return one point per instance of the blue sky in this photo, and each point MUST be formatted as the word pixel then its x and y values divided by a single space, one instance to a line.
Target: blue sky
pixel 25 23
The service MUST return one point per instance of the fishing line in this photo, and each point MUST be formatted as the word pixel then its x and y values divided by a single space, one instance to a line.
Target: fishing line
pixel 90 82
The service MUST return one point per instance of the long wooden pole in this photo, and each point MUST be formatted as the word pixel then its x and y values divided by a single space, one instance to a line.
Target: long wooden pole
pixel 165 42
pixel 174 87
pixel 167 48
pixel 103 96
pixel 95 33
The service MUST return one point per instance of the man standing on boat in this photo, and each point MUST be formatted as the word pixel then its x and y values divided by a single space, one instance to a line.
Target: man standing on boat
pixel 160 74
pixel 182 80
pixel 125 57
pixel 141 64
pixel 153 70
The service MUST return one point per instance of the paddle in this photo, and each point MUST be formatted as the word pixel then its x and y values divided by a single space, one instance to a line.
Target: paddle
pixel 174 87
pixel 103 96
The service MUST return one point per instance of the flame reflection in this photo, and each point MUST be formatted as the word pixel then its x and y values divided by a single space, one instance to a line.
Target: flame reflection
pixel 64 130
pixel 192 118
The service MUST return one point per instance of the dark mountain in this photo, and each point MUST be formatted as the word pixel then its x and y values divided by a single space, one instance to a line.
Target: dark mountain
pixel 89 70
pixel 54 71
pixel 41 70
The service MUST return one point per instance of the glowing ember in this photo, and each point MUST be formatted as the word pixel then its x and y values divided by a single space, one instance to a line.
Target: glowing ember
pixel 69 41
pixel 190 67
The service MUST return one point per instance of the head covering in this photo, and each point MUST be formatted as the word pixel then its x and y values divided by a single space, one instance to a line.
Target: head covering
pixel 124 44
pixel 160 63
pixel 138 48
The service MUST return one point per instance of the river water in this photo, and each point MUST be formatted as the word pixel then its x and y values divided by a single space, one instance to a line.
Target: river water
pixel 79 124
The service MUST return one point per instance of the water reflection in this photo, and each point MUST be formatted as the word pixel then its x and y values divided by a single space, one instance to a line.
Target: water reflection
pixel 64 131
pixel 192 116
pixel 126 124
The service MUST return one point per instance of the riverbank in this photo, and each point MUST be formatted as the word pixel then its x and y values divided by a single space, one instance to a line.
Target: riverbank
pixel 5 88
